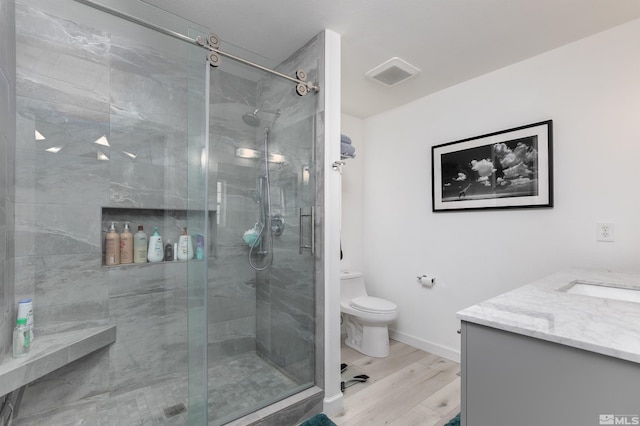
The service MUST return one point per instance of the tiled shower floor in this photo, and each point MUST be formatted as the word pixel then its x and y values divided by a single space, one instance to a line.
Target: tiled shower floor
pixel 235 384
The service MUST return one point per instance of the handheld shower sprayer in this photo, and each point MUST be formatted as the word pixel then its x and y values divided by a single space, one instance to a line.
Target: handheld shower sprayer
pixel 265 218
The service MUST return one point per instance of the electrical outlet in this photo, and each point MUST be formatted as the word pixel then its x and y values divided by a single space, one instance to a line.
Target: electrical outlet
pixel 605 231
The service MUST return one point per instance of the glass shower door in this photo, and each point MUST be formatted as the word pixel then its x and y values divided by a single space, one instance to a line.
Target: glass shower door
pixel 260 282
pixel 112 125
pixel 197 225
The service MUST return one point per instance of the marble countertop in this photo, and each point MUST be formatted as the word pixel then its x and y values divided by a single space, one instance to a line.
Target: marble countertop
pixel 542 310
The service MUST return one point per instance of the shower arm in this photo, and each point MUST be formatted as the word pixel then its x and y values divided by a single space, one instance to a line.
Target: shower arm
pixel 211 43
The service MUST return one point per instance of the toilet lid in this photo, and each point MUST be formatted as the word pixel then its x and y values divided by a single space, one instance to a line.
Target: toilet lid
pixel 373 304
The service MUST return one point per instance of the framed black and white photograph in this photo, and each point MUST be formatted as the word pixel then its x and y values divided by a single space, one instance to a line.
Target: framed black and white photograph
pixel 506 169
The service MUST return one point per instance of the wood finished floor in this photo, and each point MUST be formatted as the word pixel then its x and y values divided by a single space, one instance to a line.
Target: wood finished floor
pixel 409 387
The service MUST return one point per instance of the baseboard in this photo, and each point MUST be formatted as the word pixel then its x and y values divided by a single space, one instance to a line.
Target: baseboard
pixel 332 405
pixel 433 348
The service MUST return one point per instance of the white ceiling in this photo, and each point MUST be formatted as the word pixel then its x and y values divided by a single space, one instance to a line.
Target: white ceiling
pixel 449 40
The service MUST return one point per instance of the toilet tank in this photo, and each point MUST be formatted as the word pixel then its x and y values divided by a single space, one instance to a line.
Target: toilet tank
pixel 351 286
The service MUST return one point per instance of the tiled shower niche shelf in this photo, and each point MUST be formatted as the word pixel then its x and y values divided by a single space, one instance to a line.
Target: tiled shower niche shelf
pixel 169 222
pixel 147 263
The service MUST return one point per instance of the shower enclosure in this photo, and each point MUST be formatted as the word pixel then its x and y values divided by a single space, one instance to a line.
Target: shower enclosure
pixel 119 122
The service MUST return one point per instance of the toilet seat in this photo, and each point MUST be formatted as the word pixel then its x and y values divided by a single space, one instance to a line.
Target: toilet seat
pixel 373 304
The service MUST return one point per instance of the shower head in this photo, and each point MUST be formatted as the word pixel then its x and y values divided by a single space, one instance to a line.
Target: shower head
pixel 251 118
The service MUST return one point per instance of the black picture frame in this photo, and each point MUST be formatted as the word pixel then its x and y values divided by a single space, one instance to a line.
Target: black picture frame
pixel 511 168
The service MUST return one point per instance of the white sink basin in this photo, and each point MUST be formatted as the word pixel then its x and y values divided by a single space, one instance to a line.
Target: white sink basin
pixel 603 290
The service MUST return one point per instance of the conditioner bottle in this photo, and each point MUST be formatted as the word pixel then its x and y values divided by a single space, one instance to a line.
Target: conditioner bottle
pixel 185 247
pixel 126 245
pixel 140 246
pixel 112 246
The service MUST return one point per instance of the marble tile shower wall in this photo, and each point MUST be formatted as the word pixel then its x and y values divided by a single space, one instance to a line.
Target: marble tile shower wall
pixel 7 147
pixel 75 84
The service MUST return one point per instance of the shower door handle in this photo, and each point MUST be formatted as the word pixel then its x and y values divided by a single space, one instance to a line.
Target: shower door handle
pixel 302 245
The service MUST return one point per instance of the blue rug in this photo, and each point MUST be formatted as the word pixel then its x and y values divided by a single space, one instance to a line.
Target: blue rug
pixel 318 420
pixel 454 421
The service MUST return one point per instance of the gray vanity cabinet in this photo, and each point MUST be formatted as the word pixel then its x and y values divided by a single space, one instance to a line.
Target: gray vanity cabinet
pixel 513 380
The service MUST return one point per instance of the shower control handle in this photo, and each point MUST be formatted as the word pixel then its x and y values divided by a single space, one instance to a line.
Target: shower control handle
pixel 302 245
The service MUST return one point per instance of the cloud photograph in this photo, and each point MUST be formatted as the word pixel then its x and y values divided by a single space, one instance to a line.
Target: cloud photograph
pixel 499 170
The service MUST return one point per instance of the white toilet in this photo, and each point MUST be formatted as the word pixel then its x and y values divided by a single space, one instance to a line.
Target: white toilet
pixel 366 318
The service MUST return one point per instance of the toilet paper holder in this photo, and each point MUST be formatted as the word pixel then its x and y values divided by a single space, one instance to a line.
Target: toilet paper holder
pixel 426 280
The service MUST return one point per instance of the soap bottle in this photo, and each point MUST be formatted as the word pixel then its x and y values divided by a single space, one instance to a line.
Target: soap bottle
pixel 156 249
pixel 140 246
pixel 112 246
pixel 21 338
pixel 185 248
pixel 126 245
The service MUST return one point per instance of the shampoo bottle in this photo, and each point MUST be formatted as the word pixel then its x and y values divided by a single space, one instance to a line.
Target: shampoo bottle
pixel 25 310
pixel 156 249
pixel 21 338
pixel 140 246
pixel 126 245
pixel 112 246
pixel 185 248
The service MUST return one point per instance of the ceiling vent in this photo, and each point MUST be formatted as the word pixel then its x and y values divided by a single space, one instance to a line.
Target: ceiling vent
pixel 392 72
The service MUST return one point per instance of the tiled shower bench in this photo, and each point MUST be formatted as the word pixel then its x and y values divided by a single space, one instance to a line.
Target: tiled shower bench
pixel 49 353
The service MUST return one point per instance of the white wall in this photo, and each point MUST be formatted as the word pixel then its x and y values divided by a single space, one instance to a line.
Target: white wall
pixel 352 197
pixel 591 91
